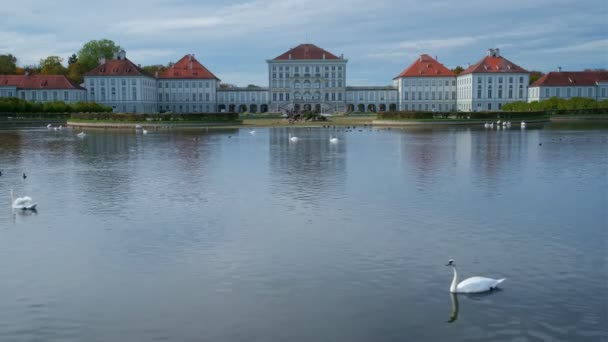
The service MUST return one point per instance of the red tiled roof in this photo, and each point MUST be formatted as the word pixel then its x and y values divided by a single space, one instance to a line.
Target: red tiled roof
pixel 37 82
pixel 426 66
pixel 571 78
pixel 494 64
pixel 306 51
pixel 117 67
pixel 188 67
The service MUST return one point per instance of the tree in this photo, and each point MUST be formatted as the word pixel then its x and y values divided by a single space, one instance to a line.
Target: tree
pixel 535 75
pixel 92 51
pixel 253 86
pixel 8 64
pixel 226 86
pixel 52 66
pixel 457 70
pixel 73 59
pixel 152 69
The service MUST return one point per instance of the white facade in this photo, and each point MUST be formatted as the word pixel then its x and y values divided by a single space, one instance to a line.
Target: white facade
pixel 491 83
pixel 372 99
pixel 243 100
pixel 187 95
pixel 436 94
pixel 307 78
pixel 133 94
pixel 41 88
pixel 566 85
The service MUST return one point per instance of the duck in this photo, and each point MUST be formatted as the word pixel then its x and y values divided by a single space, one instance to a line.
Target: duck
pixel 472 284
pixel 22 203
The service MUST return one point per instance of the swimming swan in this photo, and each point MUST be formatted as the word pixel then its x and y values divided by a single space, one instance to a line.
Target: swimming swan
pixel 22 203
pixel 81 135
pixel 333 140
pixel 473 284
pixel 293 139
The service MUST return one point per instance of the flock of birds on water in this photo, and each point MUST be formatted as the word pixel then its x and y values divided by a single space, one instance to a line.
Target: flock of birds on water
pixel 503 124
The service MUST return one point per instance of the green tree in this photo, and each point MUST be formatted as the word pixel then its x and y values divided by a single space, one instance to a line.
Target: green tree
pixel 152 69
pixel 253 86
pixel 92 51
pixel 457 70
pixel 73 59
pixel 535 75
pixel 8 64
pixel 52 66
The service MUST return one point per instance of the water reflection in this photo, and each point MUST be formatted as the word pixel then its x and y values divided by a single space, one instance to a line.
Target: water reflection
pixel 454 314
pixel 308 169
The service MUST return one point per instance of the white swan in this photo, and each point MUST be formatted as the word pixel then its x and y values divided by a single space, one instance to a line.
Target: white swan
pixel 49 126
pixel 293 139
pixel 22 203
pixel 138 127
pixel 486 125
pixel 144 131
pixel 81 135
pixel 473 284
pixel 252 132
pixel 523 124
pixel 333 140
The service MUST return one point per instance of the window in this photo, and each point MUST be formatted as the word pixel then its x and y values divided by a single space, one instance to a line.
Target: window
pixel 490 91
pixel 500 91
pixel 44 96
pixel 447 83
pixel 103 94
pixel 500 80
pixel 134 91
pixel 589 92
pixel 547 92
pixel 405 94
pixel 521 91
pixel 113 92
pixel 579 92
pixel 65 96
pixel 521 79
pixel 274 96
pixel 489 106
pixel 510 79
pixel 479 91
pixel 568 92
pixel 160 97
pixel 510 91
pixel 193 97
pixel 489 80
pixel 419 95
pixel 206 96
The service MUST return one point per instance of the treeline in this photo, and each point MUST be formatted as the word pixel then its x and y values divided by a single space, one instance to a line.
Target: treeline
pixel 79 63
pixel 16 105
pixel 460 115
pixel 555 103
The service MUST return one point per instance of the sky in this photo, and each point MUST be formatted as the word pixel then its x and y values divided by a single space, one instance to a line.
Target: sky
pixel 379 38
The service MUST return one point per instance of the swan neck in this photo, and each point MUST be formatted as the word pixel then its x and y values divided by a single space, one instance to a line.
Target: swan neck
pixel 454 281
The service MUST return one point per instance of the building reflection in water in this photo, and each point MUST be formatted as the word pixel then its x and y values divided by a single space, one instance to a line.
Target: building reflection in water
pixel 309 170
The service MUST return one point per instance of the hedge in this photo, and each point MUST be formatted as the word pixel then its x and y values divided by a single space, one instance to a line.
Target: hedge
pixel 460 115
pixel 14 105
pixel 555 103
pixel 157 117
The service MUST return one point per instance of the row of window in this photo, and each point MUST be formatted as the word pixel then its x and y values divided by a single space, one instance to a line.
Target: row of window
pixel 429 95
pixel 185 108
pixel 47 95
pixel 306 96
pixel 183 97
pixel 569 92
pixel 499 95
pixel 433 107
pixel 427 82
pixel 185 84
pixel 306 84
pixel 327 75
pixel 306 68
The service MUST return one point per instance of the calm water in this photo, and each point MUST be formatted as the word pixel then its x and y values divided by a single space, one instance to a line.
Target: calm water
pixel 227 236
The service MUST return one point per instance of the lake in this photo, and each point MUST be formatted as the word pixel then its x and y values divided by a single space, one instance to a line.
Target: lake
pixel 224 235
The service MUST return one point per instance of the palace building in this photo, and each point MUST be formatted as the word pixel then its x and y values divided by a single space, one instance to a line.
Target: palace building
pixel 305 78
pixel 41 88
pixel 569 84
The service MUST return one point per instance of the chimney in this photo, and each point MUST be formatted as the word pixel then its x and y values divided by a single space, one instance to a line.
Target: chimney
pixel 323 56
pixel 102 60
pixel 341 56
pixel 289 56
pixel 122 54
pixel 437 59
pixel 156 74
pixel 497 52
pixel 490 52
pixel 559 69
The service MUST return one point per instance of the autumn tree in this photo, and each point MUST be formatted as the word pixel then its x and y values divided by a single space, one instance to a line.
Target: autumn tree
pixel 8 64
pixel 52 66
